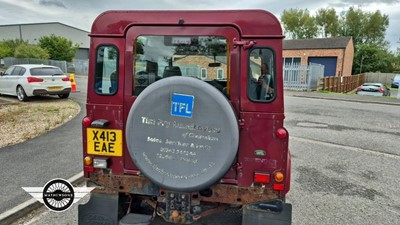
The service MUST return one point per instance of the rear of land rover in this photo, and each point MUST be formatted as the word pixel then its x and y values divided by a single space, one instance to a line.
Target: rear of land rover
pixel 176 126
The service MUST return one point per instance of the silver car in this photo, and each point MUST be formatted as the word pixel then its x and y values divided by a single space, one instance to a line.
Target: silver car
pixel 29 80
pixel 374 89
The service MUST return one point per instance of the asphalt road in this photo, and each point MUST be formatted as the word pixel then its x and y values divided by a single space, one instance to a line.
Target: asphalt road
pixel 345 162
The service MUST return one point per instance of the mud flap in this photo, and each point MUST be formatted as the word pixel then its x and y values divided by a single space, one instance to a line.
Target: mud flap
pixel 267 213
pixel 101 209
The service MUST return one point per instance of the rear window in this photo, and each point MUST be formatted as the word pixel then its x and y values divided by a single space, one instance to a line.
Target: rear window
pixel 106 73
pixel 46 71
pixel 202 57
pixel 373 85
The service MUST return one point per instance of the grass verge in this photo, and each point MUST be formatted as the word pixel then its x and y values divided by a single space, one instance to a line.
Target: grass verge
pixel 21 121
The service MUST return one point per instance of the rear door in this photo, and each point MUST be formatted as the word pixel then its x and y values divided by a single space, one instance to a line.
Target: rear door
pixel 262 109
pixel 156 52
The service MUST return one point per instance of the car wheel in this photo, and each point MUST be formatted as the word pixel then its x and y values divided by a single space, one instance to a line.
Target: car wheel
pixel 182 133
pixel 63 96
pixel 21 94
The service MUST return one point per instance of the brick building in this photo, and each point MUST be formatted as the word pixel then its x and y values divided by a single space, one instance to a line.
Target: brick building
pixel 199 66
pixel 336 54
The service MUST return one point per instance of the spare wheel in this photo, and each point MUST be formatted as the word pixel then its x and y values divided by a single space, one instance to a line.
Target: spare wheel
pixel 182 134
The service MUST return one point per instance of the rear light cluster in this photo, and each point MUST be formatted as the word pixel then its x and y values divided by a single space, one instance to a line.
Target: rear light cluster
pixel 381 90
pixel 359 88
pixel 34 79
pixel 264 178
pixel 65 79
pixel 95 163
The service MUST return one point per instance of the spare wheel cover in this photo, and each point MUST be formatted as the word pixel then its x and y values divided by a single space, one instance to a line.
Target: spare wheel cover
pixel 182 133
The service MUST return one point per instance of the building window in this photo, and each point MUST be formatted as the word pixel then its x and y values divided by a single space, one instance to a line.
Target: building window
pixel 291 60
pixel 203 73
pixel 220 74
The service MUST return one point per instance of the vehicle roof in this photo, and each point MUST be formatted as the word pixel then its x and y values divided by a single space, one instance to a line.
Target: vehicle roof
pixel 29 66
pixel 372 84
pixel 250 23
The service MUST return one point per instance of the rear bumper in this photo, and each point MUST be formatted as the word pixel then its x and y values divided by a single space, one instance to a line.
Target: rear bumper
pixel 369 93
pixel 220 193
pixel 38 92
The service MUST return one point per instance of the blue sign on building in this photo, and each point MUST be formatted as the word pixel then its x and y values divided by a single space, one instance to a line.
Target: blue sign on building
pixel 182 105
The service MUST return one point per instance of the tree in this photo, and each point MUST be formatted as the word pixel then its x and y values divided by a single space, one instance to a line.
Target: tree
pixel 7 47
pixel 30 51
pixel 299 24
pixel 59 48
pixel 5 50
pixel 328 22
pixel 364 27
pixel 367 29
pixel 372 58
pixel 375 28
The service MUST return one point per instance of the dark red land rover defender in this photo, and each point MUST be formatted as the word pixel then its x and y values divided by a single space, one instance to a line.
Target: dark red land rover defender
pixel 185 118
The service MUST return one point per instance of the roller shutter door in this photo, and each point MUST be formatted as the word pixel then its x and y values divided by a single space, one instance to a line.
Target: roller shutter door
pixel 329 63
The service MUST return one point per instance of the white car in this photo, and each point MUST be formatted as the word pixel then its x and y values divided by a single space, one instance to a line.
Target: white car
pixel 29 80
pixel 373 89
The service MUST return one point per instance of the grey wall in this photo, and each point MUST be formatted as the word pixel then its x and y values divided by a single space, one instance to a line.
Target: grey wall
pixel 385 78
pixel 33 32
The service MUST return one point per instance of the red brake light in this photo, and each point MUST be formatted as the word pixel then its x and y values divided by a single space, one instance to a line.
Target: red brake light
pixel 381 89
pixel 281 133
pixel 359 88
pixel 279 187
pixel 34 79
pixel 65 79
pixel 260 177
pixel 86 122
pixel 89 168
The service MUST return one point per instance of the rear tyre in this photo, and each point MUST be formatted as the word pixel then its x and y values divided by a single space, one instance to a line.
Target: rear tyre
pixel 21 94
pixel 63 96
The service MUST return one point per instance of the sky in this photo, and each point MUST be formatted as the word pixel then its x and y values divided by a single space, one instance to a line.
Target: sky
pixel 81 13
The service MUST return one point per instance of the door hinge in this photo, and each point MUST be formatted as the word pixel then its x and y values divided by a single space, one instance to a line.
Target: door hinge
pixel 246 44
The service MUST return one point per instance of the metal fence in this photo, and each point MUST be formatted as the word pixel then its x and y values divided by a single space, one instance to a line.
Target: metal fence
pixel 302 77
pixel 9 61
pixel 76 66
pixel 79 66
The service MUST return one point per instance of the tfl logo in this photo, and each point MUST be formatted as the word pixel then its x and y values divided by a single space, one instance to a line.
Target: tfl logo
pixel 182 105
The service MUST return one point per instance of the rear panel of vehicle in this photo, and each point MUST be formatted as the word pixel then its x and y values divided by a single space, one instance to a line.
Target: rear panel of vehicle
pixel 262 147
pixel 175 121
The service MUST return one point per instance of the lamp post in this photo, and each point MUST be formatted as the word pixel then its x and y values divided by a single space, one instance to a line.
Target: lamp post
pixel 362 59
